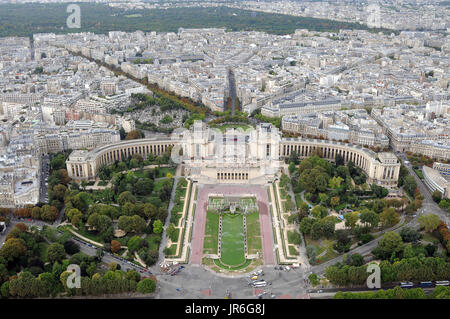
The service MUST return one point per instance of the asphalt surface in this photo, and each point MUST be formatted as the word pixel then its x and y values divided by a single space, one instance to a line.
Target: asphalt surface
pixel 196 282
pixel 45 168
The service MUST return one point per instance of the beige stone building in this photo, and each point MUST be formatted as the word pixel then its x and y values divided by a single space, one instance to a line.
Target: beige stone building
pixel 235 156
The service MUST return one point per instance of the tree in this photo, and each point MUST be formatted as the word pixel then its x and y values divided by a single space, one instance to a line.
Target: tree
pixel 408 251
pixel 339 161
pixel 316 230
pixel 357 260
pixel 55 252
pixel 36 212
pixel 303 211
pixel 104 172
pixel 379 191
pixel 75 216
pixel 57 162
pixel 49 213
pixel 59 191
pixel 27 286
pixel 314 180
pixel 319 212
pixel 342 171
pixel 304 165
pixel 157 226
pixel 71 247
pixel 126 197
pixel 410 235
pixel 437 196
pixel 343 240
pixel 328 228
pixel 351 219
pixel 409 184
pixel 146 286
pixel 306 224
pixel 430 222
pixel 138 223
pixel 334 201
pixel 389 217
pixel 125 223
pixel 444 204
pixel 369 217
pixel 311 253
pixel 291 168
pixel 134 243
pixel 323 198
pixel 13 248
pixel 115 246
pixel 335 182
pixel 133 135
pixel 143 186
pixel 100 222
pixel 390 243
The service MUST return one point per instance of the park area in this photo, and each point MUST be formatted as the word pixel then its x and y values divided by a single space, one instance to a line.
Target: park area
pixel 232 255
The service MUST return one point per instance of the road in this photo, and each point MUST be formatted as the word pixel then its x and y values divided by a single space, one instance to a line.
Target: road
pixel 164 240
pixel 196 282
pixel 428 204
pixel 108 258
pixel 43 189
pixel 232 88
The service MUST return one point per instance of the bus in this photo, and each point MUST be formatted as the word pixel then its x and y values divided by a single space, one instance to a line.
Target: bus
pixel 406 285
pixel 425 284
pixel 259 284
pixel 442 283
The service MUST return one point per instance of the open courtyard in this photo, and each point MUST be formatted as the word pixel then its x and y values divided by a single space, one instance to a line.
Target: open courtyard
pixel 232 228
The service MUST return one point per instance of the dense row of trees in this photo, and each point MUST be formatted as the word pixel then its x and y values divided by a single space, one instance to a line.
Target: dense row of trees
pixel 98 18
pixel 26 272
pixel 276 121
pixel 440 292
pixel 408 269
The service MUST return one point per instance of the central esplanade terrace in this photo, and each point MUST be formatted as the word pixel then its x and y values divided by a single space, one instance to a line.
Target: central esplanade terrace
pixel 380 168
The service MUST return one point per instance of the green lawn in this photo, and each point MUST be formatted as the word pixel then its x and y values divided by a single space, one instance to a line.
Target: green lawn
pixel 164 170
pixel 293 251
pixel 92 235
pixel 172 250
pixel 298 199
pixel 293 237
pixel 217 262
pixel 211 239
pixel 233 252
pixel 253 233
pixel 160 183
pixel 429 237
